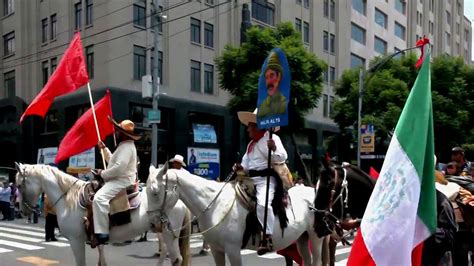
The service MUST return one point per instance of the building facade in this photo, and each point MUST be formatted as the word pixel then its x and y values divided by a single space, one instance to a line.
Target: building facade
pixel 118 43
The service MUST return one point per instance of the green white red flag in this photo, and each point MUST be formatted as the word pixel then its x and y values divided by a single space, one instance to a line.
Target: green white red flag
pixel 401 212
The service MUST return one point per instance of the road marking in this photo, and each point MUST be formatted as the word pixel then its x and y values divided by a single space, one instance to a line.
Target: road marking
pixel 272 255
pixel 38 261
pixel 24 232
pixel 35 240
pixel 343 251
pixel 23 226
pixel 247 252
pixel 195 245
pixel 341 263
pixel 19 245
pixel 4 250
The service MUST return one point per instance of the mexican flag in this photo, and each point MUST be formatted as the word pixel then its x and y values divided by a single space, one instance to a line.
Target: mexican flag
pixel 401 212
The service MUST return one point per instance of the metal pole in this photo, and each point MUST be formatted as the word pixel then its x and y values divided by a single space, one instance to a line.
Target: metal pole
pixel 265 215
pixel 359 113
pixel 155 85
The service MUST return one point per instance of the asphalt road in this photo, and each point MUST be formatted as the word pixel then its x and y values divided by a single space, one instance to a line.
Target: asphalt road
pixel 23 244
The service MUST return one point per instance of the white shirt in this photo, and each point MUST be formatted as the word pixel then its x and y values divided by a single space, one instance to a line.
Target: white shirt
pixel 5 194
pixel 122 163
pixel 257 159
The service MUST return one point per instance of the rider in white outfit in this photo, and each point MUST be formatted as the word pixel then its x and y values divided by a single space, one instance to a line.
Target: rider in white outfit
pixel 120 174
pixel 255 164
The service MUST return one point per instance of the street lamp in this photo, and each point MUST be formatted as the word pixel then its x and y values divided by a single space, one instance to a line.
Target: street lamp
pixel 362 75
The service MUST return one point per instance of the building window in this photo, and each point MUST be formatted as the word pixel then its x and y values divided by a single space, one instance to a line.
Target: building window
pixel 208 78
pixel 431 5
pixel 325 105
pixel 326 76
pixel 139 17
pixel 466 35
pixel 89 13
pixel 8 7
pixel 448 39
pixel 332 10
pixel 448 18
pixel 298 24
pixel 326 8
pixel 9 83
pixel 54 26
pixel 381 18
pixel 90 60
pixel 326 41
pixel 458 48
pixel 9 43
pixel 430 27
pixel 139 62
pixel 400 5
pixel 399 31
pixel 459 9
pixel 160 63
pixel 421 19
pixel 458 28
pixel 380 46
pixel 77 16
pixel 44 30
pixel 331 105
pixel 357 33
pixel 208 35
pixel 195 76
pixel 332 43
pixel 298 2
pixel 45 72
pixel 306 32
pixel 54 64
pixel 306 3
pixel 332 75
pixel 263 11
pixel 195 30
pixel 357 61
pixel 360 6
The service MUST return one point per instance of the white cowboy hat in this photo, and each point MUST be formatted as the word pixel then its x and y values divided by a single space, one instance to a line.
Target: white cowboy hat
pixel 246 117
pixel 178 158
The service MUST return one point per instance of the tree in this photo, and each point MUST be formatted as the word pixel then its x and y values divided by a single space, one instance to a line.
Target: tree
pixel 387 90
pixel 239 69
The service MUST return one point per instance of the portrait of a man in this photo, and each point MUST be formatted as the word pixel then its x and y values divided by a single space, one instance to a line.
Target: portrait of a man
pixel 275 102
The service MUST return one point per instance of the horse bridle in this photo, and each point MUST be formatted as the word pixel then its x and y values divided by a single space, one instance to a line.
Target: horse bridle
pixel 344 188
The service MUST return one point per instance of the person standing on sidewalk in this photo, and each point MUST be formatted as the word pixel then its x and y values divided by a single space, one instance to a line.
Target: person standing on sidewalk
pixel 5 193
pixel 51 220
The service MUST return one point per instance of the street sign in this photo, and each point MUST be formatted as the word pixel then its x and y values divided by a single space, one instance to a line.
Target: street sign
pixel 154 116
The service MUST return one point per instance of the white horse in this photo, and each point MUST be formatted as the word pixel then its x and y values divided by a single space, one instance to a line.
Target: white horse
pixel 64 190
pixel 223 217
pixel 174 220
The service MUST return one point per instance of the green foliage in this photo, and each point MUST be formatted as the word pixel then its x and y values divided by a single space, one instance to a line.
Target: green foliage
pixel 387 90
pixel 239 70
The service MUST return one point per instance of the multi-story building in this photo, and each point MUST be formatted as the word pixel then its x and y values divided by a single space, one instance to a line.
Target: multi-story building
pixel 118 43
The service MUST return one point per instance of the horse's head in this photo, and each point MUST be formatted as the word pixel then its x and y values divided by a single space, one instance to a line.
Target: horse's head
pixel 30 186
pixel 161 191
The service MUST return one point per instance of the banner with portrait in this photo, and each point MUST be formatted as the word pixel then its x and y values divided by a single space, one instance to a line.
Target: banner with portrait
pixel 274 91
pixel 204 162
pixel 47 155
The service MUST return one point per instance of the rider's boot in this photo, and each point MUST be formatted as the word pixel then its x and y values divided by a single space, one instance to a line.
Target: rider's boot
pixel 266 245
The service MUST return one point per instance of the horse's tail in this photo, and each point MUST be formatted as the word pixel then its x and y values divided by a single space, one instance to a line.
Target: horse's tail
pixel 185 235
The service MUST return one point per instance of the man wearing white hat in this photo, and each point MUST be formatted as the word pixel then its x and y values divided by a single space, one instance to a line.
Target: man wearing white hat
pixel 177 162
pixel 255 164
pixel 120 174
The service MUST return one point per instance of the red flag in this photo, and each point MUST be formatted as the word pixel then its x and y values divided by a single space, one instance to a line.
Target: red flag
pixel 70 75
pixel 83 135
pixel 421 44
pixel 373 173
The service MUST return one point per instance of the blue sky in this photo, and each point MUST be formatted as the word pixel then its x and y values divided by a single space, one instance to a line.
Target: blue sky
pixel 469 13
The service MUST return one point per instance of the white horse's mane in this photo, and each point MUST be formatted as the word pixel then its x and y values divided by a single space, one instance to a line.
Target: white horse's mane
pixel 67 183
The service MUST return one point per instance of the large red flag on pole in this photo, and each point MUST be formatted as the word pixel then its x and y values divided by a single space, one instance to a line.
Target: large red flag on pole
pixel 82 136
pixel 70 75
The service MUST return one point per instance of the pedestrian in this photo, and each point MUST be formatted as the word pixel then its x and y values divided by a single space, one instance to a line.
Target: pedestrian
pixel 5 194
pixel 458 156
pixel 51 222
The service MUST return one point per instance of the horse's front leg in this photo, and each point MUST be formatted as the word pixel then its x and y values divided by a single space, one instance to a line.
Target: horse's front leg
pixel 172 244
pixel 303 248
pixel 162 249
pixel 101 261
pixel 219 256
pixel 317 244
pixel 235 258
pixel 79 251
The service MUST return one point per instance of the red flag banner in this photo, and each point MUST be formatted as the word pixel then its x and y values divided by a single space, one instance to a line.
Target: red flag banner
pixel 83 136
pixel 70 75
pixel 373 173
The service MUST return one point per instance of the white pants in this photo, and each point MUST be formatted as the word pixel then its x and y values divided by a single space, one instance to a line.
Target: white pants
pixel 261 186
pixel 101 203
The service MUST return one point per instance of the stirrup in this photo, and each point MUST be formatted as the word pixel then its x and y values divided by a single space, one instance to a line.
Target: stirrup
pixel 267 248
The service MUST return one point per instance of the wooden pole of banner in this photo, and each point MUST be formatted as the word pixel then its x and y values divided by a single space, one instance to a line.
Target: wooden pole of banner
pixel 95 121
pixel 265 216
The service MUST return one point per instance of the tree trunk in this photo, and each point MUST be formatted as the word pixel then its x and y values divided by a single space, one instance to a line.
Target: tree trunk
pixel 300 159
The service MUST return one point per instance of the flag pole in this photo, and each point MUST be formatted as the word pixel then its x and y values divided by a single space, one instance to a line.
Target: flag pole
pixel 95 121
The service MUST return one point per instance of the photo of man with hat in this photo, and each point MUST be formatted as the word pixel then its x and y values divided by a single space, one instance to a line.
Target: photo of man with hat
pixel 458 156
pixel 120 174
pixel 275 102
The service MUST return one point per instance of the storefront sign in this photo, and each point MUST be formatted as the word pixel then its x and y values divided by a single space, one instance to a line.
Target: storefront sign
pixel 47 155
pixel 204 133
pixel 83 160
pixel 204 162
pixel 367 139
